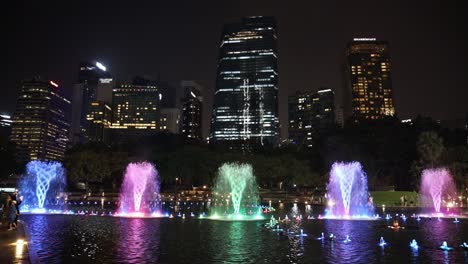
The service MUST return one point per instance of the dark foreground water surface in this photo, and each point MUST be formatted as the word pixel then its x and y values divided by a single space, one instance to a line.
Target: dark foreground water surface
pixel 98 239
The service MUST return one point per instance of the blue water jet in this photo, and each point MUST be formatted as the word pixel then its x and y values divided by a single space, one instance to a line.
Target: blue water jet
pixel 42 186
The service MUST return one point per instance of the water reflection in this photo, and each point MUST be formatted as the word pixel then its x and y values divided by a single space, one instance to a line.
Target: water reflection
pixel 80 239
pixel 360 248
pixel 138 240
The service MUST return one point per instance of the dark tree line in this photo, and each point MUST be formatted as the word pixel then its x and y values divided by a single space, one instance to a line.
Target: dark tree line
pixel 392 154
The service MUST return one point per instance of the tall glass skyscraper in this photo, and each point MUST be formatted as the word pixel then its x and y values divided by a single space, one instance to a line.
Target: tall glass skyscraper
pixel 369 78
pixel 41 121
pixel 246 96
pixel 191 122
pixel 85 92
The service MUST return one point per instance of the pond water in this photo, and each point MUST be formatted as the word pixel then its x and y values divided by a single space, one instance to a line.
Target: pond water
pixel 105 239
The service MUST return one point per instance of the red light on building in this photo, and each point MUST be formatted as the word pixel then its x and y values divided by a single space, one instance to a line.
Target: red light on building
pixel 53 84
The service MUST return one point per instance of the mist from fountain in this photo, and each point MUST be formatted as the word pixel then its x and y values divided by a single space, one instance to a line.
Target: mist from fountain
pixel 235 194
pixel 41 187
pixel 139 193
pixel 347 193
pixel 435 185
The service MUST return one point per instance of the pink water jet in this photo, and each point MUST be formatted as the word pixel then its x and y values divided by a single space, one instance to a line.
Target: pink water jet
pixel 435 185
pixel 139 193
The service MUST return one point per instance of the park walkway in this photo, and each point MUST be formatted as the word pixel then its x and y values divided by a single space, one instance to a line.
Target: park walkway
pixel 10 250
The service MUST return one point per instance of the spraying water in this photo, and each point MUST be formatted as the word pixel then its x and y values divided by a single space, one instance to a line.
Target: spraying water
pixel 435 183
pixel 347 192
pixel 139 194
pixel 42 185
pixel 236 193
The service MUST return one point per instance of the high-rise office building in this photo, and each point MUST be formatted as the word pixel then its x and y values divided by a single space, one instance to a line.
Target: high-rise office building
pixel 99 119
pixel 169 120
pixel 93 80
pixel 136 110
pixel 5 125
pixel 369 80
pixel 246 95
pixel 311 113
pixel 41 121
pixel 191 124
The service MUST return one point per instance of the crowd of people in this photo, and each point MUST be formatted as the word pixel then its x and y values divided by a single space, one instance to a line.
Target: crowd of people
pixel 10 211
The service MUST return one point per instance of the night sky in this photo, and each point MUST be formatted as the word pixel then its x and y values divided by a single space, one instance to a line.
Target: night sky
pixel 179 40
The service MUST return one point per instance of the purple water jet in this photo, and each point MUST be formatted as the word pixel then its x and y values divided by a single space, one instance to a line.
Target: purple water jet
pixel 139 194
pixel 347 193
pixel 435 184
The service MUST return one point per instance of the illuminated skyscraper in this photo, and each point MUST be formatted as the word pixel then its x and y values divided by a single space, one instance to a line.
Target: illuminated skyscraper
pixel 246 96
pixel 136 110
pixel 191 123
pixel 41 121
pixel 5 124
pixel 369 79
pixel 311 113
pixel 99 120
pixel 93 81
pixel 169 120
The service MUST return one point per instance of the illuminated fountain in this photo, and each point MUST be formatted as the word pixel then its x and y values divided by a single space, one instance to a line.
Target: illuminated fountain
pixel 139 193
pixel 435 184
pixel 235 194
pixel 347 193
pixel 42 187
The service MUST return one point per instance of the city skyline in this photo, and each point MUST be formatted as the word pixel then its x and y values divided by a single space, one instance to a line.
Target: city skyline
pixel 425 47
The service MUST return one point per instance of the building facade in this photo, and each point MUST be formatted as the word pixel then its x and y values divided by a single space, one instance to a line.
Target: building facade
pixel 136 110
pixel 91 77
pixel 192 110
pixel 99 120
pixel 369 79
pixel 41 125
pixel 170 120
pixel 311 113
pixel 246 96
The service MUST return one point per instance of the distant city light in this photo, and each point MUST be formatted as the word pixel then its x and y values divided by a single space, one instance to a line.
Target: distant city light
pixel 364 39
pixel 406 121
pixel 160 97
pixel 5 116
pixel 53 84
pixel 194 96
pixel 100 66
pixel 324 91
pixel 105 80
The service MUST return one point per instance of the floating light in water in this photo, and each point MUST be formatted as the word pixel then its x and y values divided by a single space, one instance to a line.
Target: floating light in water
pixel 382 242
pixel 414 244
pixel 456 220
pixel 302 234
pixel 347 240
pixel 321 237
pixel 444 246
